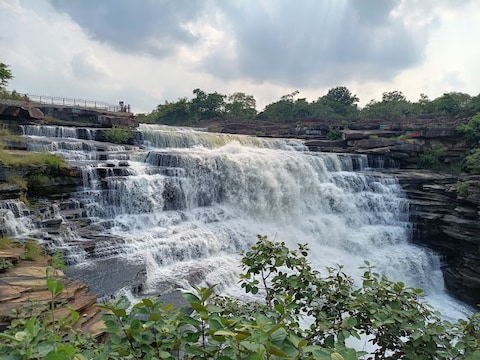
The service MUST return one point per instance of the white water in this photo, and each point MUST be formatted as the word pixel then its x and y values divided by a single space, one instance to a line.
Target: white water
pixel 191 201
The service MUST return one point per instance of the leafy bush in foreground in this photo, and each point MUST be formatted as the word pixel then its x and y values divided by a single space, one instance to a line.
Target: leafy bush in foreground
pixel 389 315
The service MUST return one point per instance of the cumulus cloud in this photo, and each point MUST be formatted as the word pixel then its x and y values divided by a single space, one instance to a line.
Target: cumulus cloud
pixel 85 65
pixel 297 43
pixel 150 51
pixel 154 27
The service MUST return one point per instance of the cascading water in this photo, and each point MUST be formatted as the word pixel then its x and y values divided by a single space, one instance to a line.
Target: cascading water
pixel 180 209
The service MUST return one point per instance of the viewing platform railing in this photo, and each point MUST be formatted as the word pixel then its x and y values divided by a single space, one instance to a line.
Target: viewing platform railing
pixel 80 103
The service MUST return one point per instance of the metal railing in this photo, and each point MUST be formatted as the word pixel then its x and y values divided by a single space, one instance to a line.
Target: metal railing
pixel 79 103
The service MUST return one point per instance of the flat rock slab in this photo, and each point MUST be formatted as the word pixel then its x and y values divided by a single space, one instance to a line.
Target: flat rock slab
pixel 25 284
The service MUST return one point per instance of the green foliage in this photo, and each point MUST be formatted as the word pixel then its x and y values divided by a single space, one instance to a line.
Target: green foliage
pixel 334 133
pixel 8 243
pixel 471 163
pixel 394 105
pixel 53 162
pixel 462 188
pixel 287 109
pixel 118 135
pixel 341 100
pixel 23 198
pixel 289 291
pixel 338 104
pixel 452 103
pixel 17 180
pixel 471 130
pixel 207 106
pixel 33 251
pixel 5 76
pixel 4 264
pixel 282 110
pixel 14 95
pixel 431 158
pixel 241 106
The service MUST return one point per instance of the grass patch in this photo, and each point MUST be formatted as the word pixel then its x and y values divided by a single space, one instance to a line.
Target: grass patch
pixel 32 251
pixel 7 136
pixel 23 198
pixel 17 180
pixel 8 243
pixel 40 180
pixel 25 158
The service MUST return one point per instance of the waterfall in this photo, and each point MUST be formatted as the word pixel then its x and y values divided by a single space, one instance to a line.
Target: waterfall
pixel 178 208
pixel 13 218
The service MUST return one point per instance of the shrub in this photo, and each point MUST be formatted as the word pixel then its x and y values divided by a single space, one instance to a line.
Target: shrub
pixel 430 159
pixel 5 265
pixel 471 164
pixel 118 135
pixel 471 130
pixel 388 314
pixel 334 133
pixel 462 188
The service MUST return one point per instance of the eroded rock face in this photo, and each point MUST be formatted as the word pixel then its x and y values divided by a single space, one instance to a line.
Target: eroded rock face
pixel 445 213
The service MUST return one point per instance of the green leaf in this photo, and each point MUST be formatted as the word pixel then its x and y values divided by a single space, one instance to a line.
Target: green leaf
pixel 336 356
pixel 206 293
pixel 276 351
pixel 154 317
pixel 147 302
pixel 112 326
pixel 279 335
pixel 74 314
pixel 54 286
pixel 224 333
pixel 121 313
pixel 191 298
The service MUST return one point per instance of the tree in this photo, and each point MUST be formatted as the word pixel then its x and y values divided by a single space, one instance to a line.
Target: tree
pixel 207 106
pixel 241 106
pixel 5 76
pixel 175 113
pixel 452 103
pixel 394 105
pixel 341 101
pixel 471 130
pixel 393 96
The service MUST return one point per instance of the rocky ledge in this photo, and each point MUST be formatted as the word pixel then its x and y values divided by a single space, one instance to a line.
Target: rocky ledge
pixel 24 285
pixel 445 212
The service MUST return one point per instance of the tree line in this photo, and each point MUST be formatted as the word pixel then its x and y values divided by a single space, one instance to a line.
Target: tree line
pixel 338 104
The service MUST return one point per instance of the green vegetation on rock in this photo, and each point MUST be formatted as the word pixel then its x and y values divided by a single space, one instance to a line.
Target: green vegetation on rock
pixel 431 158
pixel 17 158
pixel 118 135
pixel 284 292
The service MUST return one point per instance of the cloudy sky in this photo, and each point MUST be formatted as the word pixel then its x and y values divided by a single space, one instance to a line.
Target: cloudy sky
pixel 147 51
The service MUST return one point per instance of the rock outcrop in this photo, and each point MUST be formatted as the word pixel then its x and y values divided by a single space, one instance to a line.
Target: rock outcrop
pixel 445 213
pixel 24 285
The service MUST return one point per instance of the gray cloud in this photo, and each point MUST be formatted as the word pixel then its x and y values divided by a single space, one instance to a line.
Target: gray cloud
pixel 129 25
pixel 315 43
pixel 86 66
pixel 298 43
